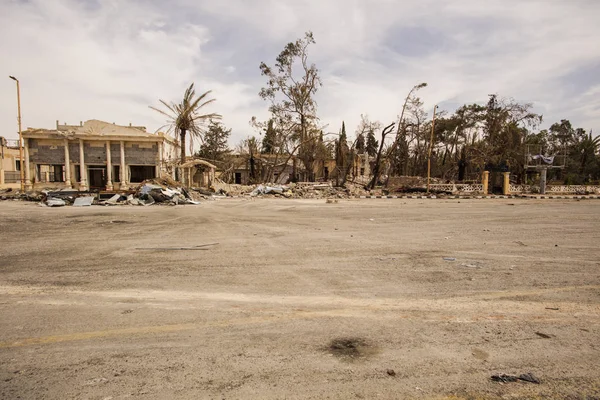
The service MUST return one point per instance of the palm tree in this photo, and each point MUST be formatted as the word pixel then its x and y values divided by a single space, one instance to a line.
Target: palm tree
pixel 589 146
pixel 185 117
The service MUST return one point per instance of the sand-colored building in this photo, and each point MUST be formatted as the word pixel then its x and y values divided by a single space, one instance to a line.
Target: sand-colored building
pixel 96 155
pixel 10 164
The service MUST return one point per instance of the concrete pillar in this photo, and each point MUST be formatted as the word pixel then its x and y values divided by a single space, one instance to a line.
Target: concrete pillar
pixel 37 173
pixel 47 176
pixel 506 184
pixel 543 180
pixel 83 184
pixel 485 181
pixel 1 175
pixel 109 183
pixel 67 166
pixel 159 164
pixel 27 170
pixel 123 171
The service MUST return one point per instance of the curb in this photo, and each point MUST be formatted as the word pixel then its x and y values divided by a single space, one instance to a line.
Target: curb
pixel 482 197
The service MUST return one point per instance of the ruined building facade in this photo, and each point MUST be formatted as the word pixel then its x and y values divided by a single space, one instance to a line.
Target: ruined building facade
pixel 96 155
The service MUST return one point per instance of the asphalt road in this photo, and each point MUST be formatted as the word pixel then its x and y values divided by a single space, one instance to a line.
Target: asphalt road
pixel 300 299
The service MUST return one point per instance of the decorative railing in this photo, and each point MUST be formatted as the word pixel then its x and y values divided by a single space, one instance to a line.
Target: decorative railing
pixel 556 189
pixel 457 188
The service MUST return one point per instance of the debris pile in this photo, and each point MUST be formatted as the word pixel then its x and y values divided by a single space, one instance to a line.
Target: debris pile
pixel 304 190
pixel 154 191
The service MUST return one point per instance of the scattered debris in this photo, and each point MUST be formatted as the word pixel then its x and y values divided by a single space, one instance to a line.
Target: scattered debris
pixel 450 259
pixel 114 199
pixel 543 335
pixel 528 377
pixel 504 378
pixel 84 201
pixel 260 189
pixel 473 264
pixel 349 348
pixel 391 372
pixel 520 243
pixel 552 308
pixel 163 191
pixel 55 202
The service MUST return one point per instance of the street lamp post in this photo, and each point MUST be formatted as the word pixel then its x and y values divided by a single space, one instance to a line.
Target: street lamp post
pixel 20 134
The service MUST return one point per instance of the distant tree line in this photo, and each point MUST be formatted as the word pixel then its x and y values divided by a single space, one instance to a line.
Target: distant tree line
pixel 494 136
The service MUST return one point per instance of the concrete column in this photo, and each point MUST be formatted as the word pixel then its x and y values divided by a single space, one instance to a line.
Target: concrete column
pixel 1 175
pixel 83 184
pixel 543 180
pixel 485 181
pixel 37 174
pixel 506 184
pixel 67 166
pixel 159 163
pixel 109 183
pixel 124 177
pixel 26 162
pixel 47 176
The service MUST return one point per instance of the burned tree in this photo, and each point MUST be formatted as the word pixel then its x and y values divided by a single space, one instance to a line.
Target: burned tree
pixel 377 168
pixel 291 97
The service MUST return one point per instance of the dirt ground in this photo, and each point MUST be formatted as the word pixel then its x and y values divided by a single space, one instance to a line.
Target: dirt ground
pixel 301 299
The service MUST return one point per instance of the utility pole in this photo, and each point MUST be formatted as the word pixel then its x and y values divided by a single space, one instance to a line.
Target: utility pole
pixel 430 148
pixel 22 161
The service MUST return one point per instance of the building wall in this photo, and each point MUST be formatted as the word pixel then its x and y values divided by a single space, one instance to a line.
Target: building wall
pixel 94 153
pixel 11 155
pixel 141 153
pixel 46 151
pixel 43 151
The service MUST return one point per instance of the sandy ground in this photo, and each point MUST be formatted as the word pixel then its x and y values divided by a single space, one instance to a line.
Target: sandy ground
pixel 300 299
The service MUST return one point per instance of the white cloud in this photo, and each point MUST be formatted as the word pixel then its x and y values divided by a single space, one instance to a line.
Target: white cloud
pixel 110 59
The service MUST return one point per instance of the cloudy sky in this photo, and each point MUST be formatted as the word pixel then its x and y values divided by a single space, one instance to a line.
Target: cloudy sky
pixel 110 59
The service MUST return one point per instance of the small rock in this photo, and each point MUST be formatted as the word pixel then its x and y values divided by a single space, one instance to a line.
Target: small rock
pixel 391 372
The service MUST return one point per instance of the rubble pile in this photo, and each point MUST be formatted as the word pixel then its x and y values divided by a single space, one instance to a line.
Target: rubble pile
pixel 12 194
pixel 308 190
pixel 155 191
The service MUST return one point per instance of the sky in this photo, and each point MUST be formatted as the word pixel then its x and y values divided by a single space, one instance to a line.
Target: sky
pixel 110 59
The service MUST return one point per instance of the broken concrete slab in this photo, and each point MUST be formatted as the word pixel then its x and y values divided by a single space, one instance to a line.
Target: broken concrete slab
pixel 114 199
pixel 84 201
pixel 55 202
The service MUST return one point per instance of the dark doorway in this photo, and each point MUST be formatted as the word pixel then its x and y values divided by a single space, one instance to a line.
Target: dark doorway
pixel 139 173
pixel 57 173
pixel 238 178
pixel 97 176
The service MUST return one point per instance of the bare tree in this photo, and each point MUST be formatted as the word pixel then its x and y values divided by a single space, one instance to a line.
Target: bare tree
pixel 377 169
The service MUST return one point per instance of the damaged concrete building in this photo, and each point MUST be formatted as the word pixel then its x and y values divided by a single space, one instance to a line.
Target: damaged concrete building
pixel 10 164
pixel 96 155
